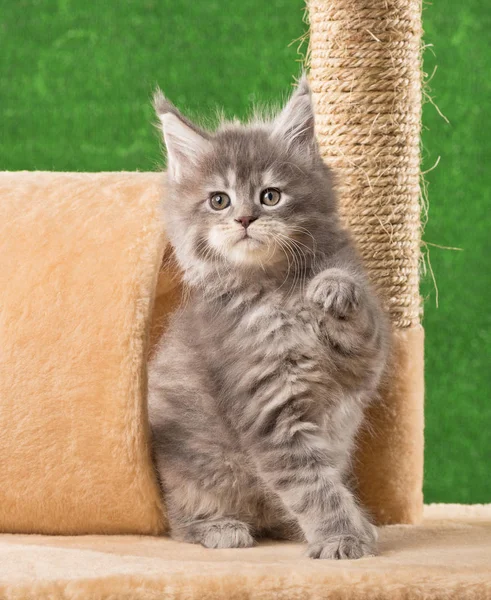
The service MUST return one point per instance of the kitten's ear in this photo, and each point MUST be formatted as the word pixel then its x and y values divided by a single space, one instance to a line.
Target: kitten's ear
pixel 295 123
pixel 185 143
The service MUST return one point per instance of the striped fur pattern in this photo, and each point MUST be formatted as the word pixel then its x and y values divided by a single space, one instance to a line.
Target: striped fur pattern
pixel 259 386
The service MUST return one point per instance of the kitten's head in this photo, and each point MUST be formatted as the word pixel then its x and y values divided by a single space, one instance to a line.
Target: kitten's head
pixel 249 195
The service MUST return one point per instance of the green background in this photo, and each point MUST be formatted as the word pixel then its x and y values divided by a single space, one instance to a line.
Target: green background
pixel 75 83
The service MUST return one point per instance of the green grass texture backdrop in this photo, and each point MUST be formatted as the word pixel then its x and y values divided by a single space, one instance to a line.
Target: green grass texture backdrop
pixel 76 77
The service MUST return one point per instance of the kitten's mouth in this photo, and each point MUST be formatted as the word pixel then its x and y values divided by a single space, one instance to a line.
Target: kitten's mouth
pixel 247 239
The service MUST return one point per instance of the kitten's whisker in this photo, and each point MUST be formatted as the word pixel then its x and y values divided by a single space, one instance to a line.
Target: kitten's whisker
pixel 284 241
pixel 313 250
pixel 307 248
pixel 300 260
pixel 271 252
pixel 280 244
pixel 301 229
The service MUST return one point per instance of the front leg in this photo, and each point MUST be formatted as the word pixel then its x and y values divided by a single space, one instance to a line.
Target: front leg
pixel 282 425
pixel 295 463
pixel 353 326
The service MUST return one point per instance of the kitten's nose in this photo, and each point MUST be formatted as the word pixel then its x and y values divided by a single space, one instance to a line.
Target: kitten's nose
pixel 246 221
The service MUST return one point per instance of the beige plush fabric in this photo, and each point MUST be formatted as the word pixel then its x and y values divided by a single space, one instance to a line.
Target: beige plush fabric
pixel 389 461
pixel 87 284
pixel 448 557
pixel 79 259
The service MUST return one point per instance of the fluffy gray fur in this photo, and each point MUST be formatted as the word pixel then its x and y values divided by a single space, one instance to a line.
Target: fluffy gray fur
pixel 259 385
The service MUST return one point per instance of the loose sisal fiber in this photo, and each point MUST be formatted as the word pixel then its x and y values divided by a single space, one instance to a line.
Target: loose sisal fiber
pixel 365 72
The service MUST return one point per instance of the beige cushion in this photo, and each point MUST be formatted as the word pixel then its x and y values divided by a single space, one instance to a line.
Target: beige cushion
pixel 79 260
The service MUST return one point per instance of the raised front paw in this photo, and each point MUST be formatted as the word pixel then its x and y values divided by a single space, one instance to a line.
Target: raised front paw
pixel 341 547
pixel 336 291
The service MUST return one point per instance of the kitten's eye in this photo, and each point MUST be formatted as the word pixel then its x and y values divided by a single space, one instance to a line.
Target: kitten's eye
pixel 219 201
pixel 270 197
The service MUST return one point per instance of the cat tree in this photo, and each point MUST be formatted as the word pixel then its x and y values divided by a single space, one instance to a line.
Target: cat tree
pixel 365 74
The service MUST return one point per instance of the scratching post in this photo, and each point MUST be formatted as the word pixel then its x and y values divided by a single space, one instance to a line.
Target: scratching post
pixel 365 71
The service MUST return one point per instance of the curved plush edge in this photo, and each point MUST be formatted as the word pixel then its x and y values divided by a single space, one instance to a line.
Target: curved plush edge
pixel 80 255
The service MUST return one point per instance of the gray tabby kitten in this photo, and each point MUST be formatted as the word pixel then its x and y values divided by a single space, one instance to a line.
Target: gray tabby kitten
pixel 258 387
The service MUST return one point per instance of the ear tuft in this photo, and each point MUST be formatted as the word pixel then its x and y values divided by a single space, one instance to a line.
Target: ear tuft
pixel 303 86
pixel 295 123
pixel 185 143
pixel 160 103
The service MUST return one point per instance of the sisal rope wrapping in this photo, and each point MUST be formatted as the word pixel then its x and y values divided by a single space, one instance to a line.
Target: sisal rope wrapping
pixel 365 73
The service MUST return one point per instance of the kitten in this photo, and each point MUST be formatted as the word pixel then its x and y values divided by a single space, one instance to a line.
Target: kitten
pixel 258 387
